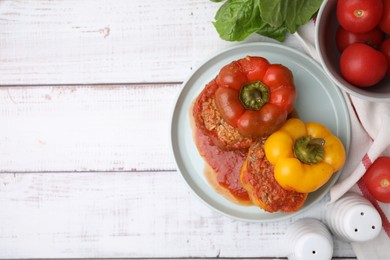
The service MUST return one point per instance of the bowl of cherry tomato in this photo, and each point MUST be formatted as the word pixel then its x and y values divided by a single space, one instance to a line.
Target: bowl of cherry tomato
pixel 353 43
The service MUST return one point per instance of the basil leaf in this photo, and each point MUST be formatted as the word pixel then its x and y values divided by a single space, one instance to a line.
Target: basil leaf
pixel 291 13
pixel 237 19
pixel 277 33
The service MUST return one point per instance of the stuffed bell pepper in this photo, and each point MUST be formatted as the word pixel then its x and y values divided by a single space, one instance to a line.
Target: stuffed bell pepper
pixel 305 156
pixel 254 96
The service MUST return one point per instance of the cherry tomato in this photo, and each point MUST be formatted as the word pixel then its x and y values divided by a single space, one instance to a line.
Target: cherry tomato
pixel 377 179
pixel 385 49
pixel 384 24
pixel 359 16
pixel 345 38
pixel 362 65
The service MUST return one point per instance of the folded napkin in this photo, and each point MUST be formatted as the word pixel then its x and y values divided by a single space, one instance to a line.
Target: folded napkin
pixel 370 138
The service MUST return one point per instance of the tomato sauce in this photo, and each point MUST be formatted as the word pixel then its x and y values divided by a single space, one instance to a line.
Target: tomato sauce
pixel 225 165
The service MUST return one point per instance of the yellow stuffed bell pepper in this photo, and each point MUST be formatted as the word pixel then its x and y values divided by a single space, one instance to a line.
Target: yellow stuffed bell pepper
pixel 305 156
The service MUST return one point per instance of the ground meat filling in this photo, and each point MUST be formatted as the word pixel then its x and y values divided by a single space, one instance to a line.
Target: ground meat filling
pixel 258 179
pixel 208 119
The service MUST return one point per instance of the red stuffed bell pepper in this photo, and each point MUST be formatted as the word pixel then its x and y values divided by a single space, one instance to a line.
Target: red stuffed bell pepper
pixel 255 96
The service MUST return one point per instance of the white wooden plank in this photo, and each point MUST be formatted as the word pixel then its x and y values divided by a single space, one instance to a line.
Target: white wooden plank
pixel 83 128
pixel 147 214
pixel 89 41
pixel 133 206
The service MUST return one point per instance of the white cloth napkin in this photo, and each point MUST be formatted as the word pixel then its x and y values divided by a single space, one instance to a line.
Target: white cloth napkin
pixel 370 125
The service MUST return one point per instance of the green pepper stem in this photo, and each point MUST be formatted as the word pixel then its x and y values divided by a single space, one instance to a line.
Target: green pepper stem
pixel 254 95
pixel 309 150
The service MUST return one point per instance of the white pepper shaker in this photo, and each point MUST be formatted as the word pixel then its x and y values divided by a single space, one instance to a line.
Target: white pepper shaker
pixel 353 218
pixel 309 239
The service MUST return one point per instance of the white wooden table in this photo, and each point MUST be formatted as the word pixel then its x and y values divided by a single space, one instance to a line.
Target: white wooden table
pixel 87 89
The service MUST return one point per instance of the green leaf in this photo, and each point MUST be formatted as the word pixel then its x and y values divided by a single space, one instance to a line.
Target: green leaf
pixel 237 19
pixel 277 33
pixel 290 13
pixel 217 1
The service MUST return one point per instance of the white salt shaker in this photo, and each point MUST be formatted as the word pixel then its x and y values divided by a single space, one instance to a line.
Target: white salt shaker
pixel 309 239
pixel 353 218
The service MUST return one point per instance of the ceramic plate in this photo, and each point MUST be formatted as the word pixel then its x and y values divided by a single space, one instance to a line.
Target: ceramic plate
pixel 318 99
